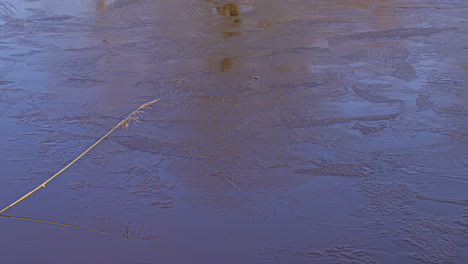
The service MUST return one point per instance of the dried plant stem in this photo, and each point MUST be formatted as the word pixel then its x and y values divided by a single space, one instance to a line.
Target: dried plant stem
pixel 125 236
pixel 134 116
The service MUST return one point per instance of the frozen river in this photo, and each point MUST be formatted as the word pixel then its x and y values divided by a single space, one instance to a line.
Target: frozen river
pixel 287 131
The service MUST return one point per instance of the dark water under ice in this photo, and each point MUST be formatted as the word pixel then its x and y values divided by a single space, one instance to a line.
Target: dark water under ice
pixel 288 131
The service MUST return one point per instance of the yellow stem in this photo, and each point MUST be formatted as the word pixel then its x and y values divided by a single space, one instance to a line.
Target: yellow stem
pixel 124 121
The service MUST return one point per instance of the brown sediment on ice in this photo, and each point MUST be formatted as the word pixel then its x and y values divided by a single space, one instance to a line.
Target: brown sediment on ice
pixel 457 110
pixel 457 135
pixel 336 169
pixel 79 184
pixel 356 55
pixel 81 81
pixel 337 120
pixel 2 82
pixel 366 130
pixel 394 54
pixel 334 254
pixel 401 33
pixel 386 199
pixel 154 188
pixel 404 70
pixel 442 199
pixel 372 97
pixel 152 145
pixel 423 102
pixel 434 239
pixel 226 177
pixel 6 8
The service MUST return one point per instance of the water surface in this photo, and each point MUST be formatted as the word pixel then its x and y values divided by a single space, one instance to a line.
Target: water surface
pixel 288 131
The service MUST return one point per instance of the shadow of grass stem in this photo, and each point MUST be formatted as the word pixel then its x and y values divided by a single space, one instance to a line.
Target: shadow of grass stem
pixel 134 116
pixel 126 235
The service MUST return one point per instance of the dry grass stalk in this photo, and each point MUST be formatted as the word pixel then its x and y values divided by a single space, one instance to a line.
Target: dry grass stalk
pixel 134 116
